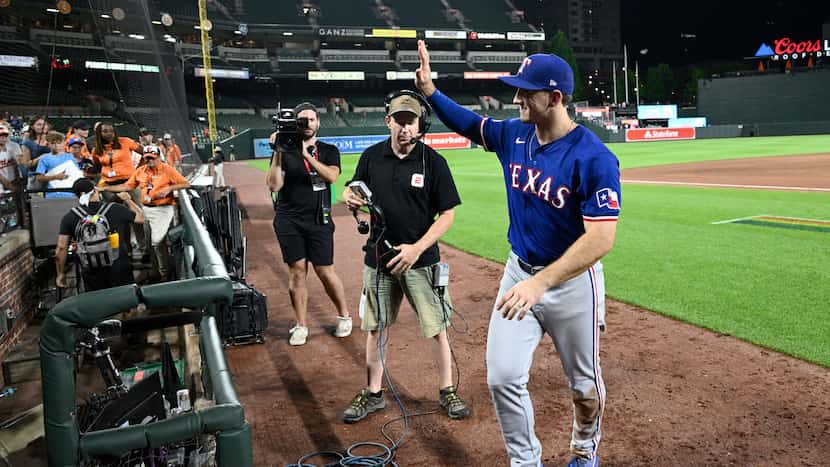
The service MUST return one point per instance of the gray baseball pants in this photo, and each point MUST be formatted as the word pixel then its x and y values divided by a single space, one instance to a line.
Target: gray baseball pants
pixel 571 314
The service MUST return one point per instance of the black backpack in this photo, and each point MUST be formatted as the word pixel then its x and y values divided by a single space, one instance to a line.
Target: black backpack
pixel 92 238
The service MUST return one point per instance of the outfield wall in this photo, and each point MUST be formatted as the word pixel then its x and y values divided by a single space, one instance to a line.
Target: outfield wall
pixel 800 96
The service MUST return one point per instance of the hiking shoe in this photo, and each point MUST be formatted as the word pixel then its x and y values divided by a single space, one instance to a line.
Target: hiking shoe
pixel 583 462
pixel 297 335
pixel 344 326
pixel 362 405
pixel 452 403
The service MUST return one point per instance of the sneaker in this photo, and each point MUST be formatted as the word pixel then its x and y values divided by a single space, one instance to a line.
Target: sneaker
pixel 583 462
pixel 452 403
pixel 297 335
pixel 344 326
pixel 362 405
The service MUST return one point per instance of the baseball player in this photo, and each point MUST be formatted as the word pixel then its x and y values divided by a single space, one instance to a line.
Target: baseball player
pixel 563 200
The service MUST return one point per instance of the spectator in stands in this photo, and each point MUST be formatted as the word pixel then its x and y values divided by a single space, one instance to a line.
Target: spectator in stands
pixel 145 137
pixel 232 131
pixel 34 146
pixel 118 217
pixel 79 129
pixel 58 165
pixel 216 167
pixel 113 154
pixel 172 150
pixel 9 154
pixel 156 181
pixel 305 231
pixel 414 187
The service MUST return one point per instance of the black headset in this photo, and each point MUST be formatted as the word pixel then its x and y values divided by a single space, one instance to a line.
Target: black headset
pixel 426 109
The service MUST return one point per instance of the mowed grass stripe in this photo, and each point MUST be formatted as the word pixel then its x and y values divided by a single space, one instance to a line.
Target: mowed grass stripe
pixel 766 286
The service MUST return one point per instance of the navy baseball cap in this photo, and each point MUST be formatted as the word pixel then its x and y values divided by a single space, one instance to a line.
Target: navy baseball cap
pixel 543 72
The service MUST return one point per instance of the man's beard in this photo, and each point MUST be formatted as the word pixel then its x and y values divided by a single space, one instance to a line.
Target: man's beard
pixel 307 137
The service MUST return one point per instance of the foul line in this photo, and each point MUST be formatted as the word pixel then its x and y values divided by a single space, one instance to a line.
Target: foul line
pixel 729 221
pixel 728 185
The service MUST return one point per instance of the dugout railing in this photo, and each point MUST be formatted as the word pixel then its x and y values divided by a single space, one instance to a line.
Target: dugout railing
pixel 205 284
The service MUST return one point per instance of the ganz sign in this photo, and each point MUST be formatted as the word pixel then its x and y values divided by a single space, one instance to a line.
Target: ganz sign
pixel 786 48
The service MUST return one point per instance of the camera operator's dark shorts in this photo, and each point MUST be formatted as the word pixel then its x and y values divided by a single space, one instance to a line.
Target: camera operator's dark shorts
pixel 301 239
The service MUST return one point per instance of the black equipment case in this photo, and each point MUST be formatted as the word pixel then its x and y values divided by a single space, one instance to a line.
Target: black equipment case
pixel 245 320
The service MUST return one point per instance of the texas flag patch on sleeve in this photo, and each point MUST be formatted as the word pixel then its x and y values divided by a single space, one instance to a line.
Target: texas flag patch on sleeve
pixel 608 198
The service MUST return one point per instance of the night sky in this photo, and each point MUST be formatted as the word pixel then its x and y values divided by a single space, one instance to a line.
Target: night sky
pixel 725 29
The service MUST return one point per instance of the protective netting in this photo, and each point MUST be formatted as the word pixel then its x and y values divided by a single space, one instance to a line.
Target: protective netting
pixel 91 61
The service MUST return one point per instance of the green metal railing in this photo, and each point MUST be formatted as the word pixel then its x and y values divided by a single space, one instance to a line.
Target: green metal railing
pixel 206 284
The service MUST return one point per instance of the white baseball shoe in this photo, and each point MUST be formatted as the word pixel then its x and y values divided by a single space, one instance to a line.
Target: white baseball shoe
pixel 344 326
pixel 297 335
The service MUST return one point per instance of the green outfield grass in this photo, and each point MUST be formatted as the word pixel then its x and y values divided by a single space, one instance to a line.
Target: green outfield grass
pixel 765 285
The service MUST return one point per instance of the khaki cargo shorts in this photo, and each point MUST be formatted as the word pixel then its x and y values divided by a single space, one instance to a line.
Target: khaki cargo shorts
pixel 416 285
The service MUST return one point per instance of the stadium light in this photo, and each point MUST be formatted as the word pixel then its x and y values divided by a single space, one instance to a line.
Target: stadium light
pixel 235 32
pixel 288 33
pixel 156 22
pixel 52 10
pixel 198 28
pixel 106 16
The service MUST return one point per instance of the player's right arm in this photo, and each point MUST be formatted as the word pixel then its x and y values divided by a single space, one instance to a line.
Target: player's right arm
pixel 484 131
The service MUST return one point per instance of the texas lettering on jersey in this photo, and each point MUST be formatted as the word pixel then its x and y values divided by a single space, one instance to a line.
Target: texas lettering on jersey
pixel 534 182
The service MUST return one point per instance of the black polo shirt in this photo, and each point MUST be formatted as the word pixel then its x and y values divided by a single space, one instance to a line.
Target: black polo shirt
pixel 410 203
pixel 297 197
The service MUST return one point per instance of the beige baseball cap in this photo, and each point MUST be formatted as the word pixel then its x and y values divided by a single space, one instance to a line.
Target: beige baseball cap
pixel 405 104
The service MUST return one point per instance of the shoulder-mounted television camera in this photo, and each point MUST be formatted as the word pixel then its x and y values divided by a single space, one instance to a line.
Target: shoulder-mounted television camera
pixel 289 130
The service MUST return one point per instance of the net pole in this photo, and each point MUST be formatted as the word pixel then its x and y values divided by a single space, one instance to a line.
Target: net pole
pixel 203 21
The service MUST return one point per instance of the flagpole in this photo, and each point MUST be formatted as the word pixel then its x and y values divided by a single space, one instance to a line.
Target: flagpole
pixel 614 66
pixel 625 70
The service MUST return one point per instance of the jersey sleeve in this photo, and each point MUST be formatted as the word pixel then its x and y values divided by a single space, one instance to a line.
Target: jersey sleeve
pixel 331 157
pixel 42 167
pixel 175 177
pixel 132 145
pixel 599 188
pixel 494 133
pixel 68 223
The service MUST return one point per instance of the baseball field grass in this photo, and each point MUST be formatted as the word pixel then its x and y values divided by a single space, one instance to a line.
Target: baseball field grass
pixel 768 286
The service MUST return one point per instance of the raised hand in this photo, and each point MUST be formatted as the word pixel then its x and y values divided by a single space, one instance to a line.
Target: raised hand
pixel 423 75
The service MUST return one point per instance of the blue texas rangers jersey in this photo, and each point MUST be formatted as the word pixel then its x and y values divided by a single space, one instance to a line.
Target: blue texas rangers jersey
pixel 553 188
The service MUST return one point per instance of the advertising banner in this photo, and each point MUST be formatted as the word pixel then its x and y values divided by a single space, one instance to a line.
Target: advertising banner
pixel 223 73
pixel 336 76
pixel 475 35
pixel 659 134
pixel 647 112
pixel 341 32
pixel 18 61
pixel 406 75
pixel 357 144
pixel 446 141
pixel 525 36
pixel 262 148
pixel 353 144
pixel 445 34
pixel 697 122
pixel 485 74
pixel 401 33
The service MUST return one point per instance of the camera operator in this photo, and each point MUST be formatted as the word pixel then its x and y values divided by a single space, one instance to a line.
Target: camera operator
pixel 411 184
pixel 301 175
